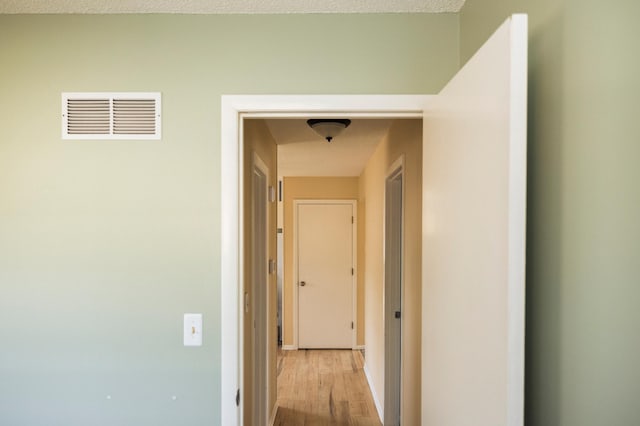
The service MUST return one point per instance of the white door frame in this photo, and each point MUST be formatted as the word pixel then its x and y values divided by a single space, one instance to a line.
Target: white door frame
pixel 354 277
pixel 260 299
pixel 396 169
pixel 234 109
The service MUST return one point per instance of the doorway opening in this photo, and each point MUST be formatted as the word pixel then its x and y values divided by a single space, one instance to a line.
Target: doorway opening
pixel 311 319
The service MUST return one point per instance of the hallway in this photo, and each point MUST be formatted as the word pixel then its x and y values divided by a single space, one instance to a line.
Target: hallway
pixel 323 387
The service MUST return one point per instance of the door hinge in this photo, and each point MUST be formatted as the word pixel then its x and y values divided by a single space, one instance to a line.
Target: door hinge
pixel 352 271
pixel 238 398
pixel 352 220
pixel 352 325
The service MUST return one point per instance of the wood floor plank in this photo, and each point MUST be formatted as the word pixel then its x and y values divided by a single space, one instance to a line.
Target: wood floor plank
pixel 323 387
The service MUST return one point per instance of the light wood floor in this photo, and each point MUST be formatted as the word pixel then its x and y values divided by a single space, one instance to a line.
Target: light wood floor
pixel 323 387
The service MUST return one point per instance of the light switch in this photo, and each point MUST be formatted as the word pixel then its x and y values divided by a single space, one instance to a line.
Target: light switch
pixel 193 329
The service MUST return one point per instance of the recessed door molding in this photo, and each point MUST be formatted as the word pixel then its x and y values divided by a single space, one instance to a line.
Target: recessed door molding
pixel 234 110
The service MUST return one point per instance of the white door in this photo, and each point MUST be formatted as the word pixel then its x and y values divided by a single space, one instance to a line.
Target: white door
pixel 325 262
pixel 474 183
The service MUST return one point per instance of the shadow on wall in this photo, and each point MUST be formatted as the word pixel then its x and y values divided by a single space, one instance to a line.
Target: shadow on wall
pixel 545 206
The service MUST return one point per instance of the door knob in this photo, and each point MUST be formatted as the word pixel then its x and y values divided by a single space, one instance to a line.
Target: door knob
pixel 302 283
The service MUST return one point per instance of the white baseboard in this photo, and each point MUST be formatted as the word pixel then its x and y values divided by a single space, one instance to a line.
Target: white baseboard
pixel 358 347
pixel 272 420
pixel 289 348
pixel 376 401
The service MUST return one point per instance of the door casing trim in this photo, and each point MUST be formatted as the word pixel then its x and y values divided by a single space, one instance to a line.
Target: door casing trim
pixel 397 168
pixel 234 110
pixel 260 165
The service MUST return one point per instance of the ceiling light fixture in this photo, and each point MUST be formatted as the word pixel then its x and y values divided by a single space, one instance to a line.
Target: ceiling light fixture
pixel 328 128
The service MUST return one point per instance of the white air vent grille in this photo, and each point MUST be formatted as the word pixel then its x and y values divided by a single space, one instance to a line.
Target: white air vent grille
pixel 111 115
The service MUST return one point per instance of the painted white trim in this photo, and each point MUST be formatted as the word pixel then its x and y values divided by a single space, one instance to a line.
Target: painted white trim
pixel 398 163
pixel 231 274
pixel 354 257
pixel 358 347
pixel 517 218
pixel 264 394
pixel 234 108
pixel 374 395
pixel 274 413
pixel 354 277
pixel 257 162
pixel 396 168
pixel 294 283
pixel 289 348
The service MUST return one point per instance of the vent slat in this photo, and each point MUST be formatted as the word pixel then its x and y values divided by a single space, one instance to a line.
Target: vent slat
pixel 90 124
pixel 93 124
pixel 134 114
pixel 131 122
pixel 88 111
pixel 81 116
pixel 137 103
pixel 129 108
pixel 135 128
pixel 133 133
pixel 88 127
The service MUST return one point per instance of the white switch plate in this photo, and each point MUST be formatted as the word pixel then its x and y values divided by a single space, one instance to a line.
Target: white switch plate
pixel 193 329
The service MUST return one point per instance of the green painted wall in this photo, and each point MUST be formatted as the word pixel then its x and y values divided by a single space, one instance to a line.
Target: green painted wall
pixel 104 245
pixel 583 279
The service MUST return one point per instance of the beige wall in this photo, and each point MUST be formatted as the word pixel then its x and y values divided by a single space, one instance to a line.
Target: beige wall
pixel 258 140
pixel 313 188
pixel 404 138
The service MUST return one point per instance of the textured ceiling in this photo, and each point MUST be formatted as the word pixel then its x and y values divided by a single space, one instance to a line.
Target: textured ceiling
pixel 302 152
pixel 229 6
